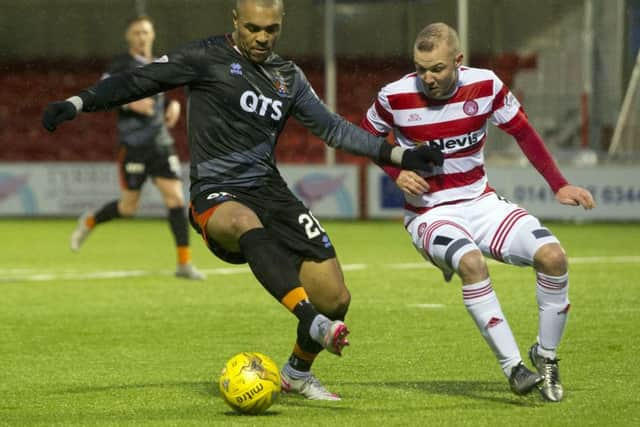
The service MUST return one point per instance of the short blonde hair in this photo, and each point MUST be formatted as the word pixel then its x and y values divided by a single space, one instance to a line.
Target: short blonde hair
pixel 434 34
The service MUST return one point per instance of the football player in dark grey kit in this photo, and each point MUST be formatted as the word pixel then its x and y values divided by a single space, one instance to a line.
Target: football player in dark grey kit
pixel 146 149
pixel 240 95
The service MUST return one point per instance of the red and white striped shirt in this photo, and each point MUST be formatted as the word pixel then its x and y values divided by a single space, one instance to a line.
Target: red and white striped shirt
pixel 458 126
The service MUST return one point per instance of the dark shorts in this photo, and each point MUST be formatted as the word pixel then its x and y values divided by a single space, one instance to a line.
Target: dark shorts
pixel 135 164
pixel 286 219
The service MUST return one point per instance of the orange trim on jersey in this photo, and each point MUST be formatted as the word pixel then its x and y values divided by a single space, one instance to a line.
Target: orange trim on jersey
pixel 295 296
pixel 122 154
pixel 202 218
pixel 184 254
pixel 304 355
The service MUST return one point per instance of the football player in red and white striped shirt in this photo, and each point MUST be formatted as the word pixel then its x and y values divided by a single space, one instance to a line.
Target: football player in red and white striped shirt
pixel 453 215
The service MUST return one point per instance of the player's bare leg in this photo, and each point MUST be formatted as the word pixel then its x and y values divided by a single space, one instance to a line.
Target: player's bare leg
pixel 482 304
pixel 129 202
pixel 173 197
pixel 127 205
pixel 324 283
pixel 551 267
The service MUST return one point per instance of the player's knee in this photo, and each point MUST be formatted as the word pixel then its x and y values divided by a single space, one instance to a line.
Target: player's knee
pixel 340 305
pixel 128 208
pixel 174 201
pixel 472 267
pixel 551 259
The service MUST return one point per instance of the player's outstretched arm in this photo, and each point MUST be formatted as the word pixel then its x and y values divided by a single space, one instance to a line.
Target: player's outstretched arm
pixel 119 89
pixel 339 133
pixel 576 196
pixel 533 147
pixel 168 72
pixel 421 158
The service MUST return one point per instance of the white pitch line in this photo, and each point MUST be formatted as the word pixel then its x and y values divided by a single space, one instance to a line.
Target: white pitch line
pixel 30 274
pixel 45 277
pixel 631 259
pixel 426 305
pixel 227 271
pixel 354 267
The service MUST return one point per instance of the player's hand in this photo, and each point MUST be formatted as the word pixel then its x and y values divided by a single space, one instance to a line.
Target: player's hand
pixel 422 158
pixel 56 113
pixel 412 183
pixel 575 196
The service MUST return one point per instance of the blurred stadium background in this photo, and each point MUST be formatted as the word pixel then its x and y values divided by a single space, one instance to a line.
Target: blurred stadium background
pixel 570 62
pixel 109 337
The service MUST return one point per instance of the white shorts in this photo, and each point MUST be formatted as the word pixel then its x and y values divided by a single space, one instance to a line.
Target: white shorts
pixel 501 230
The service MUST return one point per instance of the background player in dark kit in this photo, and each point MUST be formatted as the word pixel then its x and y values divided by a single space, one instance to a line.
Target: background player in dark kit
pixel 146 149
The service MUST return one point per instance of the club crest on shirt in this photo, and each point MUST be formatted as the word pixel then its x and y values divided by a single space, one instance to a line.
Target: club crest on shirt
pixel 421 229
pixel 280 86
pixel 235 69
pixel 470 107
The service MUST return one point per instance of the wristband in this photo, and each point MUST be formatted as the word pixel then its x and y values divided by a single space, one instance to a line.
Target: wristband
pixel 397 153
pixel 77 102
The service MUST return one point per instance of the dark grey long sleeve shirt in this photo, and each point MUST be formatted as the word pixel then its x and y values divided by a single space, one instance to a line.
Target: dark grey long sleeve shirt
pixel 235 112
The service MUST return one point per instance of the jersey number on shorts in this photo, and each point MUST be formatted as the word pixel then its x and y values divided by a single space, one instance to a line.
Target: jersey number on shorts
pixel 311 225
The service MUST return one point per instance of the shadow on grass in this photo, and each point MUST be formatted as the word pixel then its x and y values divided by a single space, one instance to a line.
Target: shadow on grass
pixel 489 391
pixel 493 391
pixel 208 388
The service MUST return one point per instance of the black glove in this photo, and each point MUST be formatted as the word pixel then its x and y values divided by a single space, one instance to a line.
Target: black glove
pixel 422 158
pixel 56 113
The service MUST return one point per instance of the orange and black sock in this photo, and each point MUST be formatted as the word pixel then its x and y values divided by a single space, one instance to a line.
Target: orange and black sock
pixel 301 360
pixel 306 348
pixel 184 255
pixel 179 228
pixel 106 213
pixel 277 273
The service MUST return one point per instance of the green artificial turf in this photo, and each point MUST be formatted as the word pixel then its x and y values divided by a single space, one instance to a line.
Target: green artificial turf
pixel 108 336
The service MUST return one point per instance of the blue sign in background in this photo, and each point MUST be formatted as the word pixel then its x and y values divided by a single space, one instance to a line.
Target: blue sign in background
pixel 390 195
